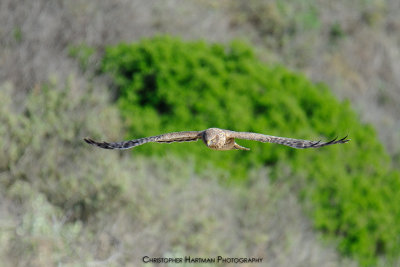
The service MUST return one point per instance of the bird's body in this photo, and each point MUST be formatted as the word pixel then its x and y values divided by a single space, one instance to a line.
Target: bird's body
pixel 216 139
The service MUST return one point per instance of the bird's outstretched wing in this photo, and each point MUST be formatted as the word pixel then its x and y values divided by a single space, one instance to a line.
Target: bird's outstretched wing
pixel 163 138
pixel 296 143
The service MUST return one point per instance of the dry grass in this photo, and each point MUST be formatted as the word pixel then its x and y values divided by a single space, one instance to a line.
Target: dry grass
pixel 35 36
pixel 364 66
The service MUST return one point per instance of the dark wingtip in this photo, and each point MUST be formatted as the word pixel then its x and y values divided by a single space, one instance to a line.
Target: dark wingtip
pixel 316 143
pixel 88 140
pixel 331 142
pixel 340 141
pixel 99 144
pixel 344 139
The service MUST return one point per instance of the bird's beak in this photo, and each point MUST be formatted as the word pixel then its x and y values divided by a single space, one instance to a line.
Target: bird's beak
pixel 208 142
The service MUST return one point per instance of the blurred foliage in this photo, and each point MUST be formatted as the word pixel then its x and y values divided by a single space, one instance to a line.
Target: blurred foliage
pixel 282 20
pixel 39 146
pixel 277 21
pixel 169 85
pixel 52 188
pixel 336 32
pixel 83 53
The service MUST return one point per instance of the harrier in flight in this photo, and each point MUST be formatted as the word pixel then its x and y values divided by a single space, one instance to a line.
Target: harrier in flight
pixel 217 139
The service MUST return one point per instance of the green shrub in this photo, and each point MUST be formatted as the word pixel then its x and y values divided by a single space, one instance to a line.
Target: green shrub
pixel 169 85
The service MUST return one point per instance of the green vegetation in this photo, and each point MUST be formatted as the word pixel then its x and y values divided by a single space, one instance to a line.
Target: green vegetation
pixel 169 85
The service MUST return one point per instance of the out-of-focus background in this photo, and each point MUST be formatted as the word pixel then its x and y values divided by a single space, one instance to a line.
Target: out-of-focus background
pixel 122 69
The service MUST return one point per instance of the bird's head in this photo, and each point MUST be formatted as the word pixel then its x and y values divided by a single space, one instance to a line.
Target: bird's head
pixel 214 137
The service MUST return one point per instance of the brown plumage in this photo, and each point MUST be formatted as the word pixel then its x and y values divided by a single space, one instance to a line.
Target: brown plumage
pixel 217 139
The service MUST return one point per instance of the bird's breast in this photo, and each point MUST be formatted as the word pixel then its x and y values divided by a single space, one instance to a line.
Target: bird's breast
pixel 227 145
